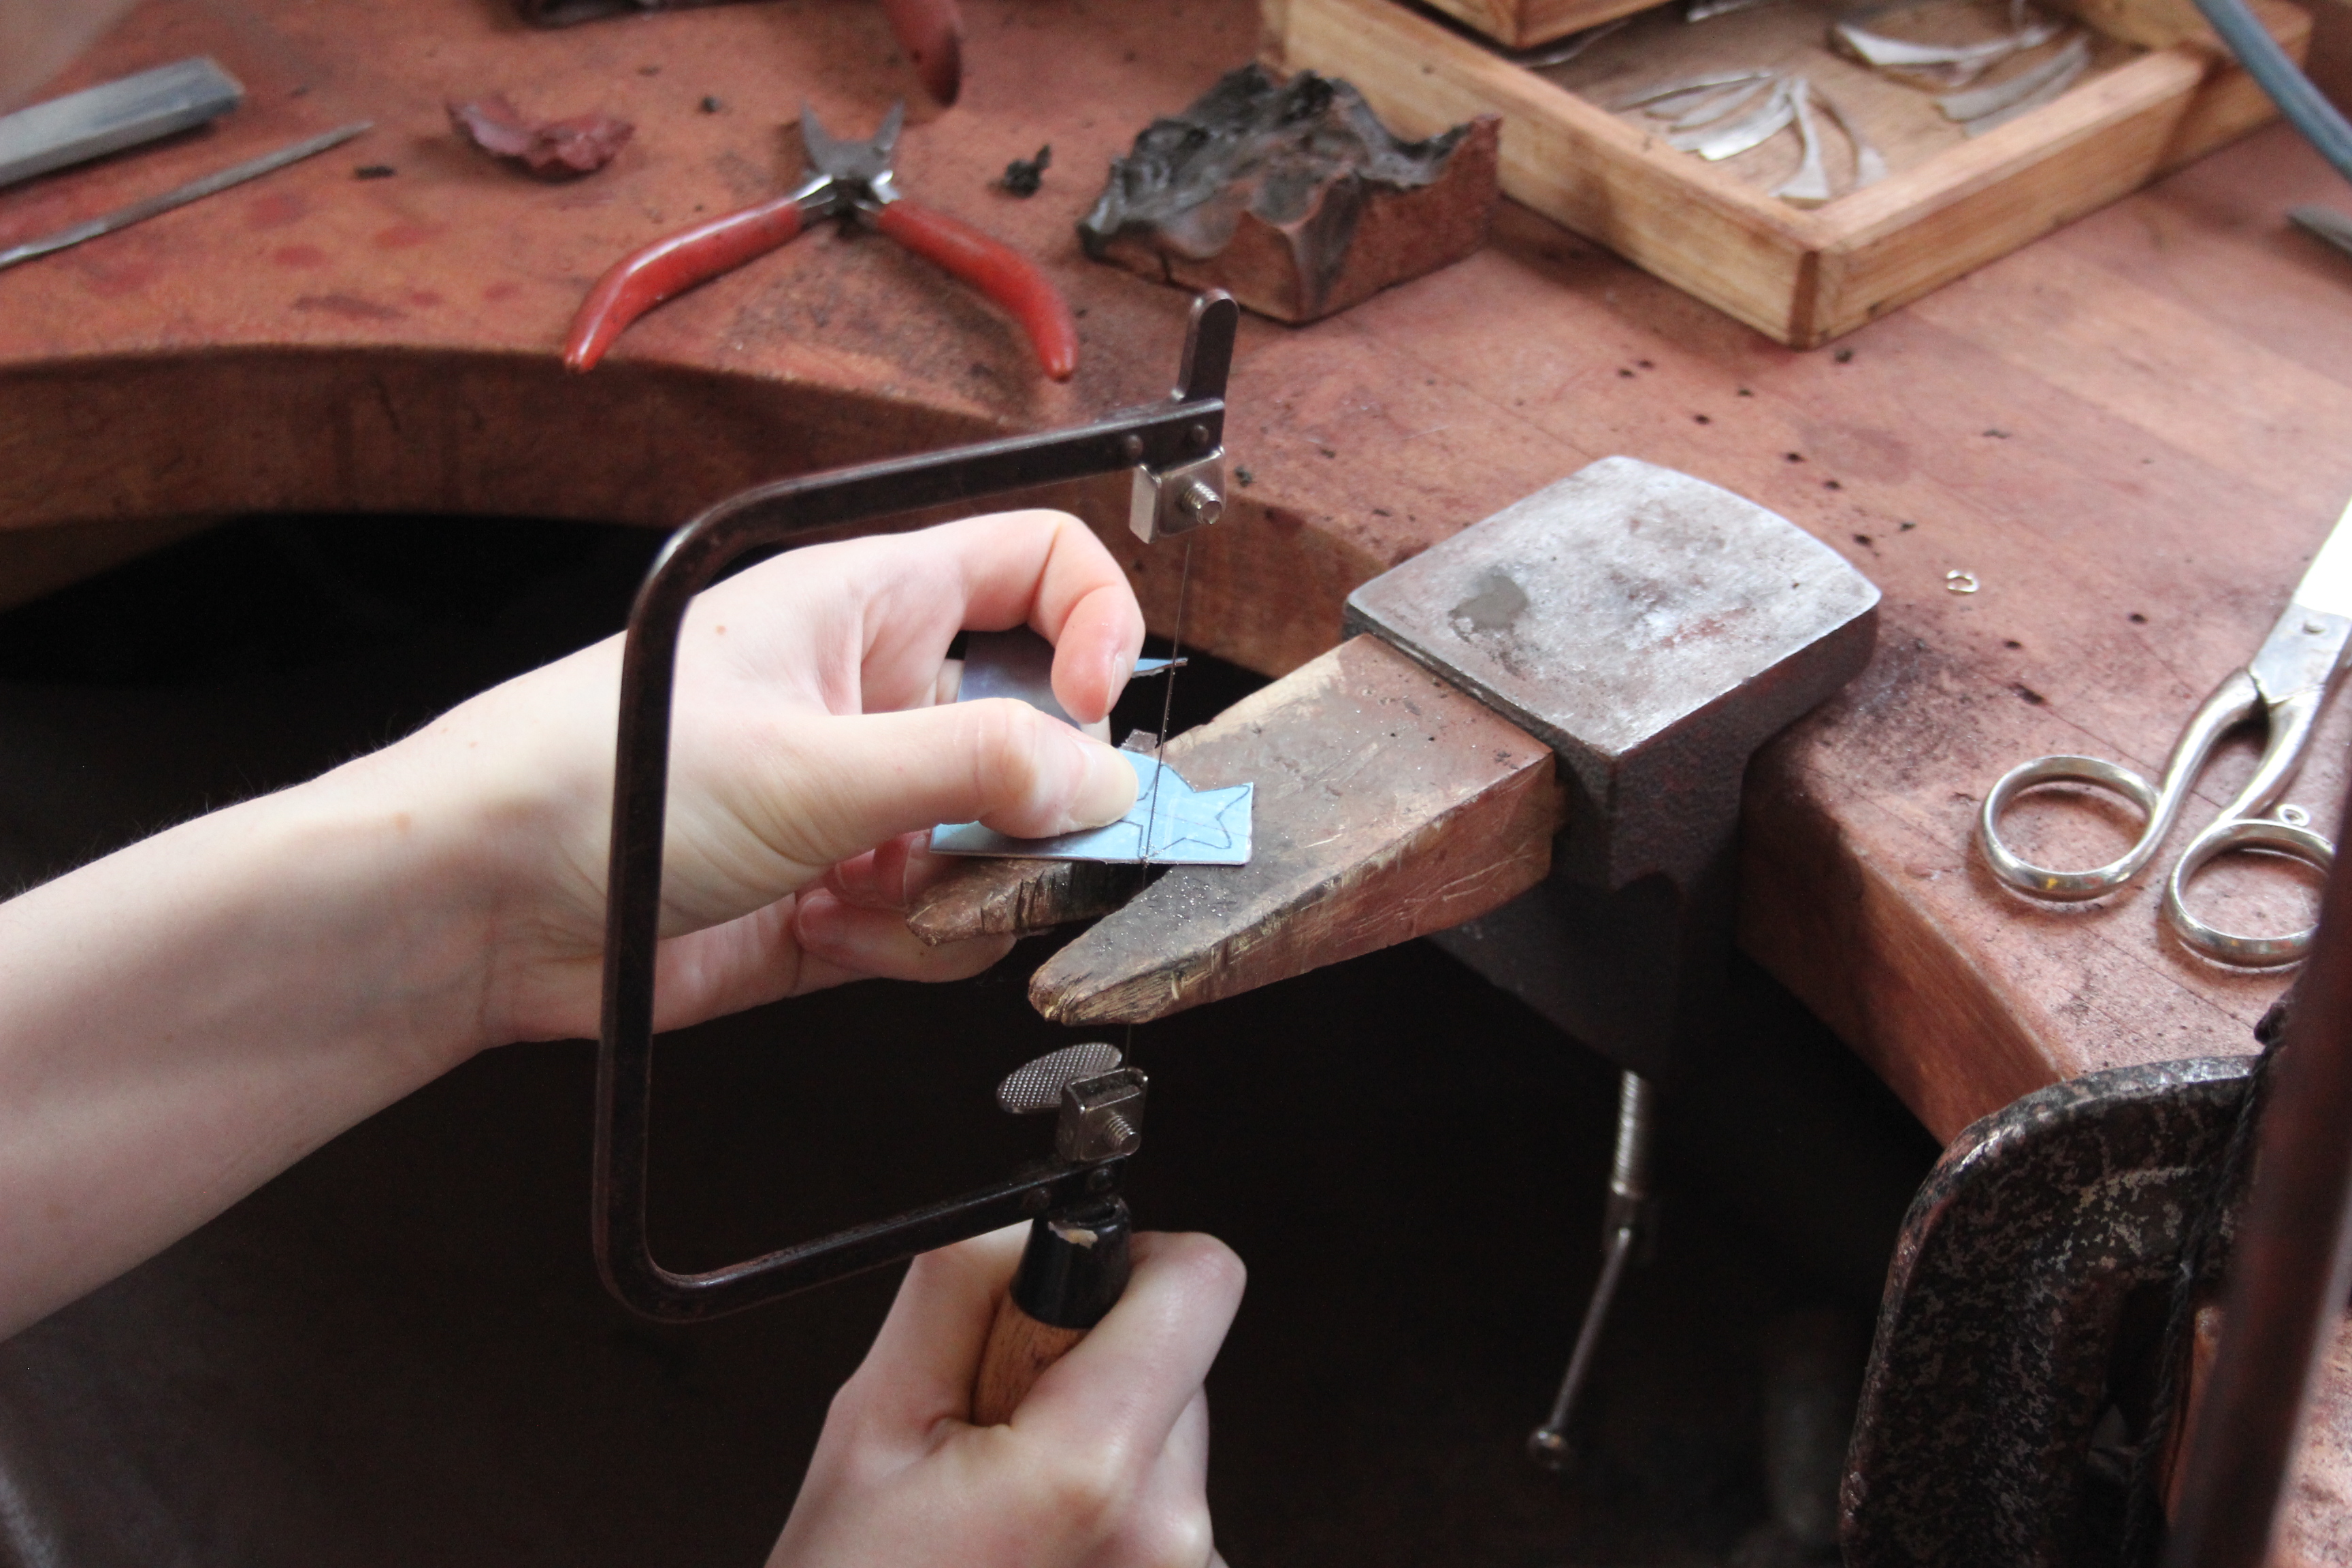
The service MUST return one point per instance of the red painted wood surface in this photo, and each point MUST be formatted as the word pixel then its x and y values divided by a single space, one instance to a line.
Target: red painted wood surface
pixel 2132 432
pixel 2143 415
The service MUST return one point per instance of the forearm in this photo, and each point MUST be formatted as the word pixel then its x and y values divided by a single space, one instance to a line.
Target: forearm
pixel 185 1018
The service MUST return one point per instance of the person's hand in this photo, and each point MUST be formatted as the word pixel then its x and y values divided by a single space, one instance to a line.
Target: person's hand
pixel 811 744
pixel 1103 1464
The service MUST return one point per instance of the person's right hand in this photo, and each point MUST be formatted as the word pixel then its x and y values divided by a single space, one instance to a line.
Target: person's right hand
pixel 1103 1466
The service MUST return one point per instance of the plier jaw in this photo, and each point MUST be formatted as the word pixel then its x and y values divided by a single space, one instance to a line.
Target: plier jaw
pixel 854 176
pixel 850 181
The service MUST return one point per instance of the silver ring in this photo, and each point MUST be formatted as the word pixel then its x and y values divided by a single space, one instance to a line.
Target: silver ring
pixel 2041 881
pixel 2230 947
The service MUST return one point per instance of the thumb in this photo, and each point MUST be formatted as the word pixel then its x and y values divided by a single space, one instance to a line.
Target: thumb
pixel 866 778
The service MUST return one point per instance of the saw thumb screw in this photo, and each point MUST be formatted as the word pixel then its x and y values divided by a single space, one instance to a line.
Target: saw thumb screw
pixel 1200 503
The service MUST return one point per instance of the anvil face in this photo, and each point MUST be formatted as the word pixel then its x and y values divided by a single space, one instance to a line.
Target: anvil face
pixel 1611 607
pixel 1650 627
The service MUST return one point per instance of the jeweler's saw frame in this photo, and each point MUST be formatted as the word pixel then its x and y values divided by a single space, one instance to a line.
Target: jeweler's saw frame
pixel 1175 449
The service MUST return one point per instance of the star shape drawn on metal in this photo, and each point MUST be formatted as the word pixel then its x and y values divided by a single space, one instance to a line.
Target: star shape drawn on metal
pixel 1170 823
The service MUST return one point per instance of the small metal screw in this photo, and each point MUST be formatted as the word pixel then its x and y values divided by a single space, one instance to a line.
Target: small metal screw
pixel 1196 437
pixel 1130 447
pixel 1200 503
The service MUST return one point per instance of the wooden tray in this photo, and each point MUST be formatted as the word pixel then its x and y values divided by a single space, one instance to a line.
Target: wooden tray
pixel 2157 97
pixel 1524 23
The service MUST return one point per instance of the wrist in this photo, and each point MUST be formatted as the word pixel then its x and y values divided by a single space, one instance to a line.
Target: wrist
pixel 491 828
pixel 396 901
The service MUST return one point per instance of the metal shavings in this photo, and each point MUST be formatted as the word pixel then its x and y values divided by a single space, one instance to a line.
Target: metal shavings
pixel 2026 91
pixel 1714 106
pixel 1172 823
pixel 1724 113
pixel 1685 87
pixel 1869 164
pixel 1809 185
pixel 1958 582
pixel 1947 65
pixel 1543 56
pixel 1747 132
pixel 1036 1085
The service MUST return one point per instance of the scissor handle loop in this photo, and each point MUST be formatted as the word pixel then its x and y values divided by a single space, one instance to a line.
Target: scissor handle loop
pixel 2291 839
pixel 2070 887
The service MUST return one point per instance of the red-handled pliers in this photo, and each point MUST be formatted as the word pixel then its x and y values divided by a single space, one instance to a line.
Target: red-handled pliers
pixel 849 181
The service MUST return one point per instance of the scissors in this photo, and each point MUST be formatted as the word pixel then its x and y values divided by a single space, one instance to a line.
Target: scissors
pixel 2285 684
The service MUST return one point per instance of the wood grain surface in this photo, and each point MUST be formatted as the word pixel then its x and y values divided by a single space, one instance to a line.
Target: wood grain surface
pixel 2131 432
pixel 2139 415
pixel 1018 1352
pixel 1390 805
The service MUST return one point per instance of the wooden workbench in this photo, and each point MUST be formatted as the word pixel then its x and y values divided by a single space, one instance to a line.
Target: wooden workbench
pixel 2131 433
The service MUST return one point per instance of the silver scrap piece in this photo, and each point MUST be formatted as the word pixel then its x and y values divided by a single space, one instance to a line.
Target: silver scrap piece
pixel 1723 101
pixel 1957 65
pixel 1170 823
pixel 1543 56
pixel 1684 87
pixel 1980 109
pixel 1809 185
pixel 1751 130
pixel 1869 164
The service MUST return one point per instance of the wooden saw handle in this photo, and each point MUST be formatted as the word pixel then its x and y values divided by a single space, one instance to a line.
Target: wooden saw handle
pixel 1072 1273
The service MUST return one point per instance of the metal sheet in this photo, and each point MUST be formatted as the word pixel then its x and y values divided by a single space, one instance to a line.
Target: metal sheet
pixel 1019 664
pixel 1172 824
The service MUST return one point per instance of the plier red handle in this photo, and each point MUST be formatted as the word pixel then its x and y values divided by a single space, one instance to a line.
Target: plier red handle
pixel 850 181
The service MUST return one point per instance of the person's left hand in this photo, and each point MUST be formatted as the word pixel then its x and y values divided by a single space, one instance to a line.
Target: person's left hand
pixel 811 745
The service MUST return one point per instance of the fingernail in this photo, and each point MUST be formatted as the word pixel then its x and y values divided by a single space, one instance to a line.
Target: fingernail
pixel 819 921
pixel 1107 789
pixel 1122 666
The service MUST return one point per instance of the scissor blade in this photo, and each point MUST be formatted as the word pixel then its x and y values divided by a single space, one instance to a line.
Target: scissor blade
pixel 2307 646
pixel 2326 586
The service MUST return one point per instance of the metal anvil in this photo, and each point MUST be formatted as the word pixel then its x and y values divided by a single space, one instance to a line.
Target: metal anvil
pixel 1535 747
